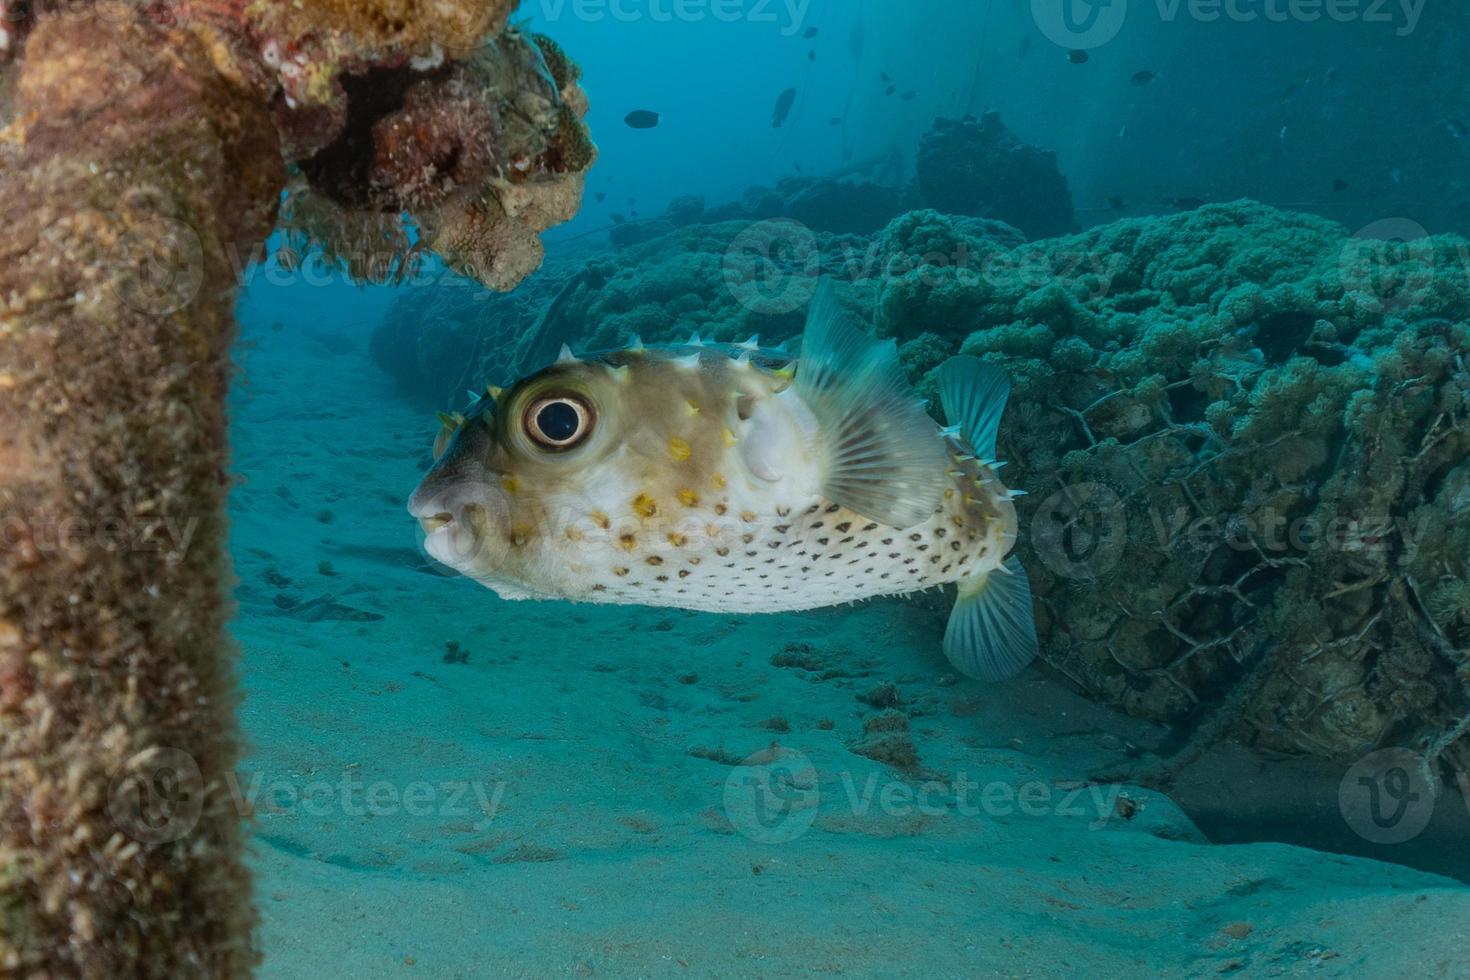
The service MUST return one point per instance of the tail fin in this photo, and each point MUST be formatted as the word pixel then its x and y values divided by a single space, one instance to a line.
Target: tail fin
pixel 974 395
pixel 992 629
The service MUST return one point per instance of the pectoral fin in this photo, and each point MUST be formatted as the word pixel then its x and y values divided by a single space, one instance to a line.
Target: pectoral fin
pixel 992 628
pixel 882 457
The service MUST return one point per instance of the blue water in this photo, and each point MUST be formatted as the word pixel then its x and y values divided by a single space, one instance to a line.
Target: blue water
pixel 444 783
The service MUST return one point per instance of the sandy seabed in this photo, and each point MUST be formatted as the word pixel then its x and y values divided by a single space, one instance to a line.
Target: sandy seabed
pixel 565 801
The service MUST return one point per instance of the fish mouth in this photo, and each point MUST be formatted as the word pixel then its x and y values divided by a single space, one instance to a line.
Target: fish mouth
pixel 435 523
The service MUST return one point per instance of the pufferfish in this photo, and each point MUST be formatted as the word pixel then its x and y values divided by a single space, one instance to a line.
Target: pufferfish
pixel 731 478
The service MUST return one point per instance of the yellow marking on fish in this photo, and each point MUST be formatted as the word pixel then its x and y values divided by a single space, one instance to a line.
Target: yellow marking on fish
pixel 677 540
pixel 510 483
pixel 729 436
pixel 600 519
pixel 494 391
pixel 718 481
pixel 644 505
pixel 691 408
pixel 679 449
pixel 687 497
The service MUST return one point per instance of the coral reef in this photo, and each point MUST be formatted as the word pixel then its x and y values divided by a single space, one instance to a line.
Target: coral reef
pixel 1245 439
pixel 482 151
pixel 146 152
pixel 978 167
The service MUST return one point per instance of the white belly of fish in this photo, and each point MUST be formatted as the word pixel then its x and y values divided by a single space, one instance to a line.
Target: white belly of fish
pixel 817 555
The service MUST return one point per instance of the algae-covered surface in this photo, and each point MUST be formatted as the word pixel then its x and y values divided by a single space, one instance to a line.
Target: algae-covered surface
pixel 445 784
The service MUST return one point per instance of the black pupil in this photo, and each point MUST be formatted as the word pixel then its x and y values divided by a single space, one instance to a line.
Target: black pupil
pixel 558 421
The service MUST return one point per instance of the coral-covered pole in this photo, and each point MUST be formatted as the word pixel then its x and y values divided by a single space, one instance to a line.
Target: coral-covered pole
pixel 133 172
pixel 144 156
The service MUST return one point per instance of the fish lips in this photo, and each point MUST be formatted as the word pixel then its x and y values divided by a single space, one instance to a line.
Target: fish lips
pixel 458 508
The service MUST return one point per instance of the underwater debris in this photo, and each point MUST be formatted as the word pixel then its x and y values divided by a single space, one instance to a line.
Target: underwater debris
pixel 481 145
pixel 977 167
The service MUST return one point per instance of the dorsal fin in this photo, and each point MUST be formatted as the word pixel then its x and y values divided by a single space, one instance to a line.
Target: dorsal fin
pixel 974 394
pixel 883 457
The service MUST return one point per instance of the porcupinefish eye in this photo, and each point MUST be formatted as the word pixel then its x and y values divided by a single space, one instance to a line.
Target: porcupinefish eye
pixel 558 422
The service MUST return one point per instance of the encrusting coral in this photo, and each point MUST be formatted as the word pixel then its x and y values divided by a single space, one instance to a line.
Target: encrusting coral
pixel 1244 436
pixel 145 155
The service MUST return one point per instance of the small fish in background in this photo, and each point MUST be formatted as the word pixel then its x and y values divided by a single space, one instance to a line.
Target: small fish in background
pixel 811 55
pixel 909 96
pixel 1116 202
pixel 1142 78
pixel 1330 75
pixel 784 102
pixel 1292 90
pixel 809 33
pixel 835 121
pixel 632 214
pixel 1123 133
pixel 884 75
pixel 1396 175
pixel 1186 203
pixel 617 219
pixel 1282 137
pixel 641 119
pixel 1339 185
pixel 890 90
pixel 1025 47
pixel 1078 57
pixel 730 478
pixel 600 196
pixel 1457 128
